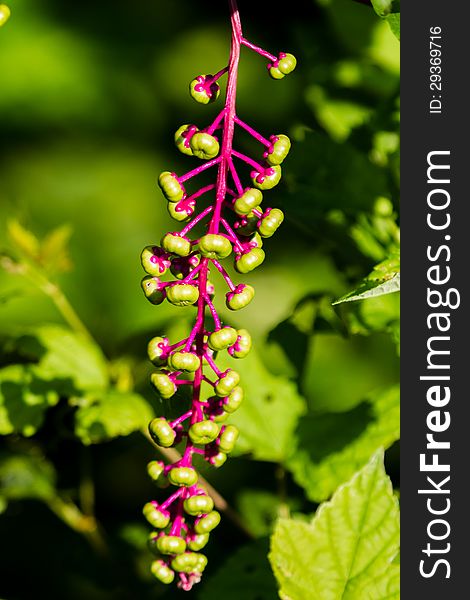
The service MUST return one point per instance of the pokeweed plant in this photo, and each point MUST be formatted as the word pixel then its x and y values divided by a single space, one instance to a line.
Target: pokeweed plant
pixel 185 519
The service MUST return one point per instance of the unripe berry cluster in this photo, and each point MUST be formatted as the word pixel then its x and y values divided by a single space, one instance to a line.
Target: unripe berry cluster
pixel 184 520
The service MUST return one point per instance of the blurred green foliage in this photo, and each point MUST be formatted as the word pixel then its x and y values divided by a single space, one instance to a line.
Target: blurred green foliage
pixel 90 96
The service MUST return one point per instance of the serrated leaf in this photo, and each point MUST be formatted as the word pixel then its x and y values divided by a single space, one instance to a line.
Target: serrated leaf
pixel 371 289
pixel 26 476
pixel 270 410
pixel 394 22
pixel 333 446
pixel 112 415
pixel 24 398
pixel 22 239
pixel 245 574
pixel 54 255
pixel 63 355
pixel 347 552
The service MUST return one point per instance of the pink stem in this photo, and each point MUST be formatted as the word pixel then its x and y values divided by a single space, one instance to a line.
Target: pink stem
pixel 200 192
pixel 207 380
pixel 235 177
pixel 253 132
pixel 224 274
pixel 232 235
pixel 248 160
pixel 219 74
pixel 176 527
pixel 258 213
pixel 192 275
pixel 215 316
pixel 196 220
pixel 259 50
pixel 212 365
pixel 180 419
pixel 169 501
pixel 216 123
pixel 194 172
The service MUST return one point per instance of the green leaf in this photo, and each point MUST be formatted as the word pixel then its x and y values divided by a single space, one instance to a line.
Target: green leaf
pixel 24 398
pixel 54 253
pixel 260 509
pixel 64 355
pixel 26 476
pixel 246 574
pixel 347 551
pixel 270 410
pixel 23 240
pixel 390 11
pixel 112 415
pixel 333 446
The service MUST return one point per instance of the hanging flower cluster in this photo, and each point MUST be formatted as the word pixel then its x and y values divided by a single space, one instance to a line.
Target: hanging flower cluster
pixel 184 520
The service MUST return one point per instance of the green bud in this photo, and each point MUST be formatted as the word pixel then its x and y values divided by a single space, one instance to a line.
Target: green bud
pixel 250 225
pixel 156 349
pixel 208 523
pixel 182 476
pixel 242 346
pixel 170 186
pixel 151 288
pixel 190 562
pixel 155 469
pixel 239 299
pixel 221 417
pixel 222 339
pixel 216 246
pixel 204 145
pixel 171 544
pixel 163 384
pixel 184 361
pixel 232 403
pixel 250 260
pixel 267 180
pixel 287 63
pixel 203 432
pixel 250 199
pixel 176 244
pixel 155 517
pixel 176 213
pixel 198 505
pixel 228 438
pixel 202 95
pixel 161 431
pixel 162 571
pixel 182 294
pixel 227 382
pixel 218 459
pixel 279 151
pixel 198 541
pixel 181 140
pixel 152 263
pixel 270 223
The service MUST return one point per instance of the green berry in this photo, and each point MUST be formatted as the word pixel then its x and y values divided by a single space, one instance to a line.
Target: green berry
pixel 163 384
pixel 182 294
pixel 219 459
pixel 250 260
pixel 161 431
pixel 171 187
pixel 228 438
pixel 182 476
pixel 177 213
pixel 184 361
pixel 270 222
pixel 203 432
pixel 222 339
pixel 208 523
pixel 203 93
pixel 171 544
pixel 250 199
pixel 181 141
pixel 176 244
pixel 287 63
pixel 268 179
pixel 198 505
pixel 155 517
pixel 162 571
pixel 157 349
pixel 242 346
pixel 280 149
pixel 204 145
pixel 198 542
pixel 248 224
pixel 155 469
pixel 151 286
pixel 232 403
pixel 154 261
pixel 240 297
pixel 190 562
pixel 221 417
pixel 227 382
pixel 215 246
